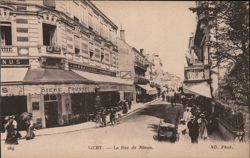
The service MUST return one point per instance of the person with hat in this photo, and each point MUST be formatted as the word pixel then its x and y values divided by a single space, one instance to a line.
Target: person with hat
pixel 30 128
pixel 193 128
pixel 112 116
pixel 203 126
pixel 182 129
pixel 11 128
pixel 187 114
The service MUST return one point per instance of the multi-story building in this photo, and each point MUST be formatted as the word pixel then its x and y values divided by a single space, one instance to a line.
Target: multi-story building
pixel 199 77
pixel 133 69
pixel 59 60
pixel 207 78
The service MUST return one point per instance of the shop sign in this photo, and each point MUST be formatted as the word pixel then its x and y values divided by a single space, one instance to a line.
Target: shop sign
pixel 58 89
pixel 12 90
pixel 106 87
pixel 13 62
pixel 91 69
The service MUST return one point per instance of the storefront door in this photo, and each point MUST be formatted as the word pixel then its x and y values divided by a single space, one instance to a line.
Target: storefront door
pixel 51 110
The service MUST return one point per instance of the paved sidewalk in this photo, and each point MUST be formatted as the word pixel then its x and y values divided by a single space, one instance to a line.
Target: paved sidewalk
pixel 76 127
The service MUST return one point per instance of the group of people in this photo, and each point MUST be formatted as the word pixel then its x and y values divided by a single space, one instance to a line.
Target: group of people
pixel 13 133
pixel 195 124
pixel 170 96
pixel 113 112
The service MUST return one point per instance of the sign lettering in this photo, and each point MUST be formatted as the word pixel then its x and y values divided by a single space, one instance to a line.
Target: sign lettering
pixel 8 62
pixel 91 69
pixel 58 89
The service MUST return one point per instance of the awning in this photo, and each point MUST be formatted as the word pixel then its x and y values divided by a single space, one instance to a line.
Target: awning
pixel 102 78
pixel 12 75
pixel 202 89
pixel 148 88
pixel 38 76
pixel 107 83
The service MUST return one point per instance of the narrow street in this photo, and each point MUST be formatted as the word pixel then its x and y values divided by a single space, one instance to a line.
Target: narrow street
pixel 133 137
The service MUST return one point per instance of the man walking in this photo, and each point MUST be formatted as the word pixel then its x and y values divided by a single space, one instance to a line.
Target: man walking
pixel 193 127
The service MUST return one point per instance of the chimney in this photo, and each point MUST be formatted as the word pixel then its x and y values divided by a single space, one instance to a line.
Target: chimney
pixel 142 50
pixel 122 34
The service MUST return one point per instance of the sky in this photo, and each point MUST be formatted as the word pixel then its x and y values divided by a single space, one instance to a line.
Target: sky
pixel 161 27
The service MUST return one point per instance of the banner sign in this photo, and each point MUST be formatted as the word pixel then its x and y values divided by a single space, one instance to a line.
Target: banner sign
pixel 91 69
pixel 58 89
pixel 13 62
pixel 12 90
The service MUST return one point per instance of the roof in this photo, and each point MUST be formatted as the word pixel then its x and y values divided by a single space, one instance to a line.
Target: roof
pixel 10 75
pixel 37 76
pixel 98 78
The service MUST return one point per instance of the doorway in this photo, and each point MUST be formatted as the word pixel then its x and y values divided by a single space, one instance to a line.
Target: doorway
pixel 51 110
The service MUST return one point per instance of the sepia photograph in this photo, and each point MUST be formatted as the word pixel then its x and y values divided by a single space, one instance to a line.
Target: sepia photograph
pixel 124 79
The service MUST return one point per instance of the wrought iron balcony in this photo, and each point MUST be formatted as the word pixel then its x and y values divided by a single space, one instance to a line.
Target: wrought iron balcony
pixel 196 73
pixel 52 50
pixel 6 49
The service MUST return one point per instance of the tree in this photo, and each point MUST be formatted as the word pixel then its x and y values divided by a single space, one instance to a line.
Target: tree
pixel 228 22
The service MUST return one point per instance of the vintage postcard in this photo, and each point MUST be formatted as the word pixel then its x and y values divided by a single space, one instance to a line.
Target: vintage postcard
pixel 124 79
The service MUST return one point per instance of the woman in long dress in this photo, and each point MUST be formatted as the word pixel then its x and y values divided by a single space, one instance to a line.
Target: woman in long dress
pixel 203 127
pixel 11 129
pixel 30 129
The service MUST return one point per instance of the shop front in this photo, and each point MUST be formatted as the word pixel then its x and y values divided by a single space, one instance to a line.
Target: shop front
pixel 12 99
pixel 54 104
pixel 199 94
pixel 110 89
pixel 51 95
pixel 145 93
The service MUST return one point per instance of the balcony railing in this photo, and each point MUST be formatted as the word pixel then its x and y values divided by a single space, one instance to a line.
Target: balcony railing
pixel 196 73
pixel 6 49
pixel 52 50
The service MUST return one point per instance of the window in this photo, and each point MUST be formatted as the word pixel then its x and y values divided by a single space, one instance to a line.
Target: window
pixel 52 63
pixel 76 19
pixel 97 54
pixel 5 37
pixel 51 97
pixel 49 37
pixel 85 48
pixel 107 57
pixel 102 56
pixel 77 45
pixel 90 21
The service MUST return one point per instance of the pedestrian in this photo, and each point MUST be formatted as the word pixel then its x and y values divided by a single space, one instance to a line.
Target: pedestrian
pixel 183 101
pixel 30 128
pixel 182 129
pixel 103 115
pixel 129 103
pixel 124 107
pixel 193 128
pixel 187 115
pixel 98 119
pixel 11 129
pixel 175 98
pixel 112 116
pixel 203 127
